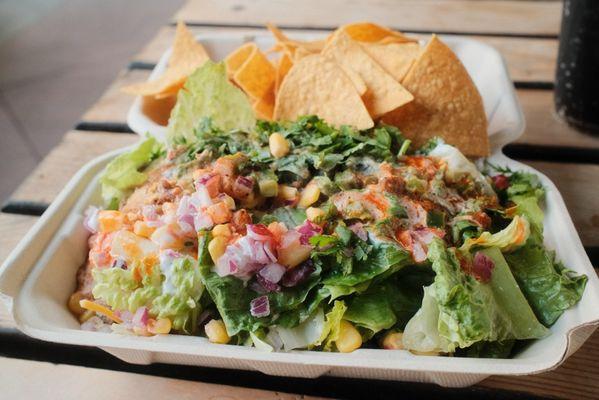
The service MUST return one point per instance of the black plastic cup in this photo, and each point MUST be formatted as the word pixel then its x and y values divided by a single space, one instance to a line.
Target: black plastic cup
pixel 577 75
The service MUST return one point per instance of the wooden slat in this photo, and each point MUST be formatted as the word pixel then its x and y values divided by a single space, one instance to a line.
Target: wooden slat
pixel 64 160
pixel 577 378
pixel 113 105
pixel 497 17
pixel 12 228
pixel 544 128
pixel 575 183
pixel 32 380
pixel 528 59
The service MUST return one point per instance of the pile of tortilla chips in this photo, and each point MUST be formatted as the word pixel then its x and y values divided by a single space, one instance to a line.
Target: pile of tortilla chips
pixel 360 74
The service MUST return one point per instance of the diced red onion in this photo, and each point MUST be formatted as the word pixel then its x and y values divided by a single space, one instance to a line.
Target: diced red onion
pixel 273 272
pixel 501 181
pixel 90 220
pixel 359 231
pixel 140 318
pixel 482 267
pixel 201 198
pixel 259 232
pixel 298 274
pixel 243 186
pixel 289 238
pixel 267 285
pixel 202 221
pixel 202 180
pixel 119 263
pixel 307 230
pixel 260 307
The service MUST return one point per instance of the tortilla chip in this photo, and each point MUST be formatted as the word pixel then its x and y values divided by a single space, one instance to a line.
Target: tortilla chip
pixel 369 32
pixel 447 103
pixel 187 55
pixel 283 68
pixel 289 45
pixel 317 85
pixel 384 93
pixel 158 111
pixel 256 76
pixel 238 57
pixel 395 58
pixel 264 108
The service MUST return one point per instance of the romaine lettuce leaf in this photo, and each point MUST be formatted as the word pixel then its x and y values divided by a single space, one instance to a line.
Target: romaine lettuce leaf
pixel 548 286
pixel 123 173
pixel 331 330
pixel 468 310
pixel 207 93
pixel 508 239
pixel 304 335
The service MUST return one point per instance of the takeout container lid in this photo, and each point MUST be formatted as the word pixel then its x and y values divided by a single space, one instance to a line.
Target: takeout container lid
pixel 39 275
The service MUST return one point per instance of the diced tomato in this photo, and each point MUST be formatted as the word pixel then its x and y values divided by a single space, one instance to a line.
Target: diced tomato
pixel 501 182
pixel 213 184
pixel 225 167
pixel 219 212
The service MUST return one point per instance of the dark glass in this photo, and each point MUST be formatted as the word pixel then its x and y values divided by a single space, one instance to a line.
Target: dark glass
pixel 577 77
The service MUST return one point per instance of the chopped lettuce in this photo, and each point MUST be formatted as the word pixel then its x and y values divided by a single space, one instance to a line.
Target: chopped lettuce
pixel 209 94
pixel 467 310
pixel 181 305
pixel 124 173
pixel 119 289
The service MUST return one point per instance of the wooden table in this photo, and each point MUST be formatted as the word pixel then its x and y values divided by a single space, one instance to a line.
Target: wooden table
pixel 526 34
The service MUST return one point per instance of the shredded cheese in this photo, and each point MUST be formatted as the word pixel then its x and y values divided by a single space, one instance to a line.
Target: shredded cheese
pixel 90 305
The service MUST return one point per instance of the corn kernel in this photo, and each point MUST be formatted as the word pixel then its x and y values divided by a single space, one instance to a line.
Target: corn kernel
pixel 110 221
pixel 159 326
pixel 349 338
pixel 216 332
pixel 309 195
pixel 314 212
pixel 279 146
pixel 222 230
pixel 268 187
pixel 252 200
pixel 217 247
pixel 393 341
pixel 287 192
pixel 141 228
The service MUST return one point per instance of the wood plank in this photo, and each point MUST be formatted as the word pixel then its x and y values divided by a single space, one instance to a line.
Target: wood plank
pixel 12 228
pixel 574 181
pixel 34 380
pixel 64 160
pixel 458 16
pixel 528 59
pixel 113 105
pixel 577 377
pixel 543 127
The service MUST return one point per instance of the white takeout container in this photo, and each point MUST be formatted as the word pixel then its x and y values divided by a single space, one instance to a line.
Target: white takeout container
pixel 39 275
